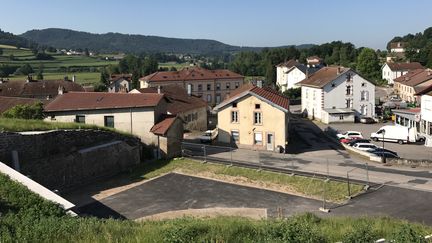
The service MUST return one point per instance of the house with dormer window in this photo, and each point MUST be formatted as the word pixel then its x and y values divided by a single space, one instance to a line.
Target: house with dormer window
pixel 337 94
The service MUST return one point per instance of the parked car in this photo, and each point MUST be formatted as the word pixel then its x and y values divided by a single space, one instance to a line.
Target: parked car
pixel 367 120
pixel 364 146
pixel 397 134
pixel 361 140
pixel 208 136
pixel 380 150
pixel 349 139
pixel 348 134
pixel 385 154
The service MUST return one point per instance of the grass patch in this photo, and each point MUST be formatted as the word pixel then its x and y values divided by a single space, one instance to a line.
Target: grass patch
pixel 81 77
pixel 21 125
pixel 25 217
pixel 311 187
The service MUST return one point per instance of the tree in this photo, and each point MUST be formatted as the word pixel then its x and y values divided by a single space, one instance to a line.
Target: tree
pixel 34 111
pixel 40 75
pixel 368 64
pixel 104 77
pixel 172 68
pixel 1 51
pixel 86 52
pixel 25 69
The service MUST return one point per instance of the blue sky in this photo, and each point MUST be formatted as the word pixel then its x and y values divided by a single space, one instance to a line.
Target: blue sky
pixel 238 22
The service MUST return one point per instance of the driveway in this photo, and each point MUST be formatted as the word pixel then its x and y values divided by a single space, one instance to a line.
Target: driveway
pixel 179 192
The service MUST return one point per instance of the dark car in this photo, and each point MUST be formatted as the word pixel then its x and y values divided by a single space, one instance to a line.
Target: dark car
pixel 361 140
pixel 367 120
pixel 380 150
pixel 385 154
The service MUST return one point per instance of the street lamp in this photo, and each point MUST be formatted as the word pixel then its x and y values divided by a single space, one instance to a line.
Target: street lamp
pixel 382 154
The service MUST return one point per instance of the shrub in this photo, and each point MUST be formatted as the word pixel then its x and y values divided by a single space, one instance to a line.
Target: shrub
pixel 34 111
pixel 362 232
pixel 407 233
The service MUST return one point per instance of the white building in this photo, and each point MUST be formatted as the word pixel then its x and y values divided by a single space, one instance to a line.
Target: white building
pixel 289 73
pixel 337 94
pixel 426 118
pixel 391 70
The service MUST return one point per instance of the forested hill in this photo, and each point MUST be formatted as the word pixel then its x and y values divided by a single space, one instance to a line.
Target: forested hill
pixel 10 39
pixel 115 42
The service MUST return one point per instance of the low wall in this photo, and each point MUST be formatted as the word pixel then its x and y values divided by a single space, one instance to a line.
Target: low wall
pixel 65 159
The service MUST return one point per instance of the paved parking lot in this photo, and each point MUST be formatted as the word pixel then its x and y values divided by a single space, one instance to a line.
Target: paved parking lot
pixel 408 151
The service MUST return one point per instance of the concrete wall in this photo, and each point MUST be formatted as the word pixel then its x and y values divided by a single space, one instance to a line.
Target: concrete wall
pixel 66 159
pixel 274 121
pixel 335 118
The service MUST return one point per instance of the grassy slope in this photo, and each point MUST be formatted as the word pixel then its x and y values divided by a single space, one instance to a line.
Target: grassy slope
pixel 28 218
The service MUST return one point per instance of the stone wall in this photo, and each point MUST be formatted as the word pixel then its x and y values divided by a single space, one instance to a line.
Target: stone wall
pixel 66 159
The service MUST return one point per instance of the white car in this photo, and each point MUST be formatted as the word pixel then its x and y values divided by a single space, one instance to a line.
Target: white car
pixel 365 146
pixel 349 134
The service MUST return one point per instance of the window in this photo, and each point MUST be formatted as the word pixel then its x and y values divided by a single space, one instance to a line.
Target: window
pixel 209 98
pixel 109 121
pixel 341 117
pixel 227 85
pixel 364 96
pixel 218 98
pixel 257 106
pixel 217 86
pixel 236 85
pixel 258 138
pixel 208 87
pixel 348 103
pixel 348 90
pixel 363 84
pixel 191 87
pixel 234 116
pixel 333 85
pixel 257 118
pixel 235 135
pixel 80 119
pixel 199 87
pixel 234 105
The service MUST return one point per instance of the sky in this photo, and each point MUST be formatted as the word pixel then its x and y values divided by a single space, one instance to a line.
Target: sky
pixel 369 23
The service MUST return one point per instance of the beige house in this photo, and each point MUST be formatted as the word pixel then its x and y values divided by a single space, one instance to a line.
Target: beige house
pixel 120 83
pixel 133 113
pixel 254 117
pixel 192 109
pixel 210 85
pixel 412 83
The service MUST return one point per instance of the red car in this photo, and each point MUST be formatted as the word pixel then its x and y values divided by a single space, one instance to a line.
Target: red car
pixel 349 139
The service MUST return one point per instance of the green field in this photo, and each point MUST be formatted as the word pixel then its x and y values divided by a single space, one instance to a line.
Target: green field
pixel 85 68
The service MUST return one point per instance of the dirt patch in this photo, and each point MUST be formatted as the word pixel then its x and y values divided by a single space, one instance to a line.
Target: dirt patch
pixel 253 213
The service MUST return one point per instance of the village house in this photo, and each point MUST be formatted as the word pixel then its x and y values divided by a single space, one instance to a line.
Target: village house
pixel 337 94
pixel 192 109
pixel 137 114
pixel 426 117
pixel 398 47
pixel 412 83
pixel 254 117
pixel 119 83
pixel 314 61
pixel 289 73
pixel 210 85
pixel 392 70
pixel 38 89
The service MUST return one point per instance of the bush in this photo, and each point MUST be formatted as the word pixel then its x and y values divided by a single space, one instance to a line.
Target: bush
pixel 293 93
pixel 406 233
pixel 25 69
pixel 34 112
pixel 362 232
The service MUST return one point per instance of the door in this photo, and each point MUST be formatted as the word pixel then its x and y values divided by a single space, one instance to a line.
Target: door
pixel 270 141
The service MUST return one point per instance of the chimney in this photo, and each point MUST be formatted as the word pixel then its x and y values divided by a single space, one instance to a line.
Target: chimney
pixel 159 89
pixel 307 72
pixel 60 90
pixel 259 83
pixel 29 78
pixel 74 78
pixel 189 89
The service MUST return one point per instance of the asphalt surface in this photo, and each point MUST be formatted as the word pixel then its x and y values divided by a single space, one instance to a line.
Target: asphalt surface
pixel 179 192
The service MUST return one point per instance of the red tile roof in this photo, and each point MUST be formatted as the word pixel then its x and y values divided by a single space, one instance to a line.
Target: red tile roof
pixel 8 102
pixel 161 128
pixel 266 93
pixel 323 76
pixel 100 100
pixel 37 89
pixel 178 99
pixel 403 66
pixel 415 77
pixel 190 74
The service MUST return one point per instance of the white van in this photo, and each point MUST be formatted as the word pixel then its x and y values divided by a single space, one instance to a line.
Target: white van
pixel 397 134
